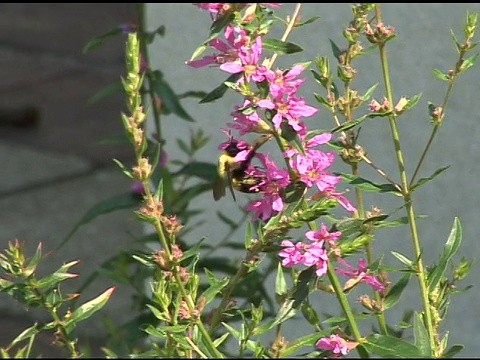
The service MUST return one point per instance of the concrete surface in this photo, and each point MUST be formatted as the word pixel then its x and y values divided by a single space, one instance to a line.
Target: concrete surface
pixel 54 167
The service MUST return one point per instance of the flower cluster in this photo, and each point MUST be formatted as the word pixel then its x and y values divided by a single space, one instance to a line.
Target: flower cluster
pixel 312 254
pixel 271 105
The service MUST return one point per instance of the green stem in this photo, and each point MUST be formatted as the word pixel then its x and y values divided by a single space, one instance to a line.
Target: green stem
pixel 241 272
pixel 443 107
pixel 369 251
pixel 406 194
pixel 342 299
pixel 149 74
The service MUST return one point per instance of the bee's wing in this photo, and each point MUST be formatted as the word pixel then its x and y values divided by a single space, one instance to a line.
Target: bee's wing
pixel 229 180
pixel 224 174
pixel 218 188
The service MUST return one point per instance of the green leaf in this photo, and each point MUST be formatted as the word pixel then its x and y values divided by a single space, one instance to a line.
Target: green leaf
pixel 286 312
pixel 281 287
pixel 98 40
pixel 412 102
pixel 215 286
pixel 389 346
pixel 169 98
pixel 281 47
pixel 396 291
pixel 307 340
pixel 424 180
pixel 335 49
pixel 322 100
pixel 440 75
pixel 231 223
pixel 422 340
pixel 450 248
pixel 403 259
pixel 310 314
pixel 220 90
pixel 309 21
pixel 32 265
pixel 400 221
pixel 111 89
pixel 117 202
pixel 301 289
pixel 368 185
pixel 369 92
pixel 26 334
pixel 469 62
pixel 89 308
pixel 453 351
pixel 203 170
pixel 188 194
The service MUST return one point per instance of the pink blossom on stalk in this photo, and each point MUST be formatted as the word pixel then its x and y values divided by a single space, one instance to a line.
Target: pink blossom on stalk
pixel 213 8
pixel 313 254
pixel 337 345
pixel 323 234
pixel 281 83
pixel 228 51
pixel 306 254
pixel 292 253
pixel 360 274
pixel 247 62
pixel 271 180
pixel 291 109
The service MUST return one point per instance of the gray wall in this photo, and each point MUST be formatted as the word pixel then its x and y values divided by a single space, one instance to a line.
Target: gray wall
pixel 423 43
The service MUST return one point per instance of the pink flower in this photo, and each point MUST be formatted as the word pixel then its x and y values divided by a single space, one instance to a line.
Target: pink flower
pixel 313 254
pixel 247 62
pixel 137 188
pixel 271 180
pixel 360 274
pixel 228 51
pixel 336 344
pixel 323 235
pixel 281 83
pixel 291 109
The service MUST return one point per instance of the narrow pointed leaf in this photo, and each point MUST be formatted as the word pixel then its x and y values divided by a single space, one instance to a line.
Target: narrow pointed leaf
pixel 220 90
pixel 396 291
pixel 450 248
pixel 169 98
pixel 117 202
pixel 281 47
pixel 454 350
pixel 89 308
pixel 422 340
pixel 307 340
pixel 469 62
pixel 203 170
pixel 440 75
pixel 309 21
pixel 368 185
pixel 112 89
pixel 98 40
pixel 286 312
pixel 403 259
pixel 391 347
pixel 26 334
pixel 335 49
pixel 280 283
pixel 424 180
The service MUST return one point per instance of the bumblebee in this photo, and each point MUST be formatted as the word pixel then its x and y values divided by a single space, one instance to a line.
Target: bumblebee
pixel 234 173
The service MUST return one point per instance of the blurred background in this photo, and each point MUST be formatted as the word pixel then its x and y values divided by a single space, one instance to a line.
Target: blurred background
pixel 57 158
